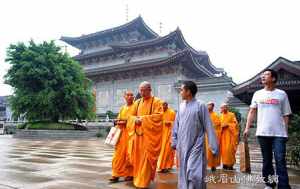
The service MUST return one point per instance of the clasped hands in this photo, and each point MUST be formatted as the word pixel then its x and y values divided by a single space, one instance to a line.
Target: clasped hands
pixel 225 125
pixel 121 122
pixel 138 121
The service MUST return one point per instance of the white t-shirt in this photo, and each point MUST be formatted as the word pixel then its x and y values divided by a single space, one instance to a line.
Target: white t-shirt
pixel 271 107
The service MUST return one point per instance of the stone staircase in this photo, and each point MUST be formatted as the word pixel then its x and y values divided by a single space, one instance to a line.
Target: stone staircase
pixel 92 129
pixel 54 134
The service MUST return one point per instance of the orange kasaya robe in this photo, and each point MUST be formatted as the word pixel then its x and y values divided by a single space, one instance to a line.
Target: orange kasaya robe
pixel 120 163
pixel 229 138
pixel 145 140
pixel 166 156
pixel 214 161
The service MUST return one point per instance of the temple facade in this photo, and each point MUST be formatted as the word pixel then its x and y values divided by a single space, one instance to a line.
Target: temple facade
pixel 120 58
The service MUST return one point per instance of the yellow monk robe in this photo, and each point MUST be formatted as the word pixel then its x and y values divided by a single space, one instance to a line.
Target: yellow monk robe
pixel 229 138
pixel 145 140
pixel 166 156
pixel 214 161
pixel 120 164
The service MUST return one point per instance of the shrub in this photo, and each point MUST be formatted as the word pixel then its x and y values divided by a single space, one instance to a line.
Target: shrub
pixel 21 126
pixel 294 140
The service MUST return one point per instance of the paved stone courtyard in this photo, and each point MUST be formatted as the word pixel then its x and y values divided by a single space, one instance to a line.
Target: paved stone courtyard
pixel 86 164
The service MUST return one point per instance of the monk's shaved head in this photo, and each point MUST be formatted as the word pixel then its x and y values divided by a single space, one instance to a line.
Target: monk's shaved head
pixel 211 103
pixel 224 107
pixel 210 106
pixel 129 92
pixel 145 89
pixel 129 97
pixel 145 84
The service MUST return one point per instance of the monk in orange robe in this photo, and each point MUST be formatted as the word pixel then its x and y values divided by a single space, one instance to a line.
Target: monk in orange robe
pixel 146 130
pixel 166 156
pixel 229 137
pixel 120 164
pixel 213 161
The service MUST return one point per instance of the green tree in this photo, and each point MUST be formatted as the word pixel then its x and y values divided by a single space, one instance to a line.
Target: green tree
pixel 48 84
pixel 237 113
pixel 294 140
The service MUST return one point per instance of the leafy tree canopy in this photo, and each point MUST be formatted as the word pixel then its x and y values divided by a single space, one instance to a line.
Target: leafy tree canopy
pixel 48 84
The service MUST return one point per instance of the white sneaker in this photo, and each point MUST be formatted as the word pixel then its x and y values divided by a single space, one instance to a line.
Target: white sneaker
pixel 268 187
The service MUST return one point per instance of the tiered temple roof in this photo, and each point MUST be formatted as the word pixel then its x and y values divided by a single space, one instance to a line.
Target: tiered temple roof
pixel 137 24
pixel 136 36
pixel 184 55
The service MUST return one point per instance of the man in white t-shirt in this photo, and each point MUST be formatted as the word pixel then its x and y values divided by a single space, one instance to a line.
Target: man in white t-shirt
pixel 273 109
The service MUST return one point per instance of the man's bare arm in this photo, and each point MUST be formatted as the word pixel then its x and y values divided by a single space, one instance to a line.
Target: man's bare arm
pixel 286 120
pixel 250 119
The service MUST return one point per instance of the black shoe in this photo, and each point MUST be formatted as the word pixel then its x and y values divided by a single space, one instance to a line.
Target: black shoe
pixel 114 180
pixel 213 169
pixel 225 167
pixel 230 168
pixel 164 171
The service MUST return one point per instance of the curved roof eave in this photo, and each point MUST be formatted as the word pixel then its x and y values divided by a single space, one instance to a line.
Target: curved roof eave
pixel 185 43
pixel 271 66
pixel 144 43
pixel 121 46
pixel 177 35
pixel 138 20
pixel 199 66
pixel 205 62
pixel 130 65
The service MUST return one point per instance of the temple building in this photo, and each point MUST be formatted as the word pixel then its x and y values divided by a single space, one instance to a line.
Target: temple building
pixel 288 80
pixel 120 58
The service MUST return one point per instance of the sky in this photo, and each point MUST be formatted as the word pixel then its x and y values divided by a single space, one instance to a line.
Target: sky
pixel 241 36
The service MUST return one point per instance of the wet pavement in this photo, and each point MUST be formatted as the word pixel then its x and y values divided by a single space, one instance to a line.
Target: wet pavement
pixel 86 164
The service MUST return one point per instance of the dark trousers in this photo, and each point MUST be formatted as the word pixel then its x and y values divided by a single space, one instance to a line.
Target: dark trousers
pixel 276 145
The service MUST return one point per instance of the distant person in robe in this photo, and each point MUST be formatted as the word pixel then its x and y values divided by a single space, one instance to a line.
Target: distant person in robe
pixel 167 154
pixel 120 164
pixel 229 137
pixel 213 161
pixel 146 130
pixel 188 138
